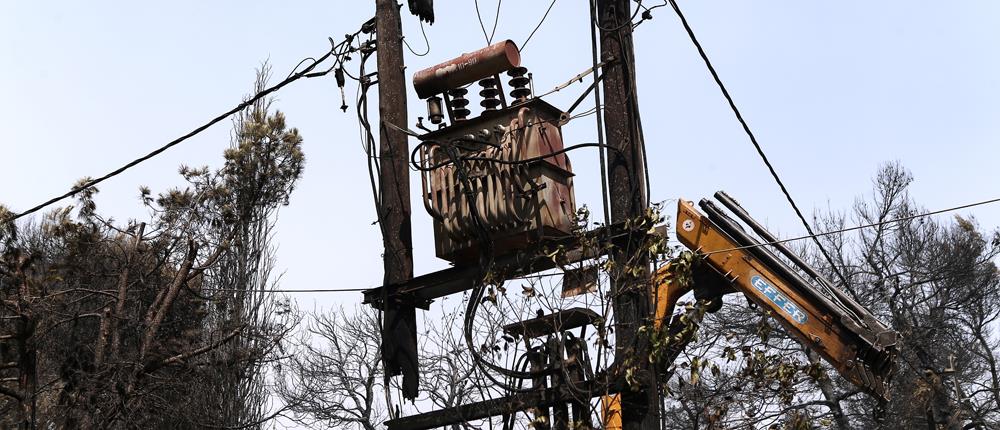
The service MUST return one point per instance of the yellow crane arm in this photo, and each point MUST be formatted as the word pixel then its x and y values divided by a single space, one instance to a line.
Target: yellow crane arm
pixel 862 351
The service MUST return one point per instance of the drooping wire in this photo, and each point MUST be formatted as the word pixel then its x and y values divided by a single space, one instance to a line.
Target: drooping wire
pixel 756 144
pixel 542 21
pixel 427 42
pixel 292 72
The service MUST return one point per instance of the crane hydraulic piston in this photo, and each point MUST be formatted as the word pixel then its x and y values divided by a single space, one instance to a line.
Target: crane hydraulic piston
pixel 820 316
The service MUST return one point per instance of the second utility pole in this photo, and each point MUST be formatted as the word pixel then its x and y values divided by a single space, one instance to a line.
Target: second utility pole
pixel 399 353
pixel 626 180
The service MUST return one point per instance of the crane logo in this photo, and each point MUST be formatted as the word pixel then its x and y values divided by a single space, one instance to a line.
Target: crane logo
pixel 780 300
pixel 688 225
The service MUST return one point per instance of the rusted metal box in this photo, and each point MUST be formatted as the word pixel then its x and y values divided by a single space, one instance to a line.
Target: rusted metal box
pixel 508 164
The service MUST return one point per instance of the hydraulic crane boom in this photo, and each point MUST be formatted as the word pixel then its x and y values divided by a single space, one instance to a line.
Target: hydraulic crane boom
pixel 843 332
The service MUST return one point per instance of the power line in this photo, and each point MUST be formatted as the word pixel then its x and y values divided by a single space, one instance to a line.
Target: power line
pixel 496 20
pixel 539 25
pixel 859 227
pixel 595 58
pixel 544 275
pixel 250 101
pixel 753 139
pixel 427 42
pixel 298 65
pixel 316 290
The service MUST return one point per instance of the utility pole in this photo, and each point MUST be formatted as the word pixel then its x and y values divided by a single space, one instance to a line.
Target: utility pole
pixel 399 322
pixel 626 179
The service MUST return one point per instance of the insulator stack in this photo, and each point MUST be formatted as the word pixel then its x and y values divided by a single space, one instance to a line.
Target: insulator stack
pixel 519 83
pixel 459 103
pixel 489 93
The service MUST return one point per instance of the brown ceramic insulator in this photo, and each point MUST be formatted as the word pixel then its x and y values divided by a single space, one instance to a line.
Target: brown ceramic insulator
pixel 459 103
pixel 489 94
pixel 519 83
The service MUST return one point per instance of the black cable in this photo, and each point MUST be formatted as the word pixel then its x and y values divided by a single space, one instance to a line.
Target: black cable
pixel 539 25
pixel 632 105
pixel 482 25
pixel 753 139
pixel 634 128
pixel 427 42
pixel 250 101
pixel 299 64
pixel 496 20
pixel 371 152
pixel 606 203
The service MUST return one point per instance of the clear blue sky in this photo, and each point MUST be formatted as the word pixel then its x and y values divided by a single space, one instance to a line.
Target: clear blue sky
pixel 832 90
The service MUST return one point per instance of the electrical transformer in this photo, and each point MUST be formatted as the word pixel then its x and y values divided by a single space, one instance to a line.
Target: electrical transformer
pixel 498 182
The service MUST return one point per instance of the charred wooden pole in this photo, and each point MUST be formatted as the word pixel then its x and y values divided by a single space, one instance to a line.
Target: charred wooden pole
pixel 626 179
pixel 399 331
pixel 25 344
pixel 575 358
pixel 539 362
pixel 560 412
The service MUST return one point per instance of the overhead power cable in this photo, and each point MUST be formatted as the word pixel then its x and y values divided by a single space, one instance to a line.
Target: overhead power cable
pixel 539 24
pixel 496 20
pixel 248 102
pixel 753 139
pixel 826 233
pixel 317 290
pixel 859 227
pixel 793 239
pixel 427 42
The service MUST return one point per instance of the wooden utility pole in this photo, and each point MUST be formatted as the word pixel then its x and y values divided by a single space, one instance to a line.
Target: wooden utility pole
pixel 626 179
pixel 399 353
